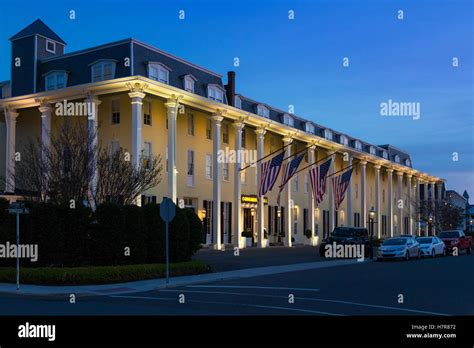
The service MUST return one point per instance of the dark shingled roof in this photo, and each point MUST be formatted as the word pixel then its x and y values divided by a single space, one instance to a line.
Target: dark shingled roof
pixel 38 27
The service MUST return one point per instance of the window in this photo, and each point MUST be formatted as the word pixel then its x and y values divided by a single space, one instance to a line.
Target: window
pixel 158 72
pixel 358 145
pixel 383 196
pixel 50 46
pixel 114 147
pixel 356 219
pixel 189 83
pixel 225 133
pixel 115 111
pixel 385 154
pixel 309 127
pixel 190 124
pixel 243 173
pixel 343 140
pixel 296 182
pixel 104 70
pixel 225 171
pixel 263 111
pixel 288 120
pixel 384 224
pixel 237 102
pixel 190 168
pixel 407 163
pixel 356 189
pixel 397 158
pixel 167 158
pixel 147 113
pixel 6 91
pixel 209 166
pixel 147 154
pixel 208 129
pixel 306 183
pixel 243 138
pixel 215 93
pixel 55 80
pixel 372 150
pixel 328 134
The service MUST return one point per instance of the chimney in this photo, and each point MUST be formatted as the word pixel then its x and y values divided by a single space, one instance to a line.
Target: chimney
pixel 230 88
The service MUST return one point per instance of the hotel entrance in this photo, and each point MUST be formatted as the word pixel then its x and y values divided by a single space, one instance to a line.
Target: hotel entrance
pixel 249 224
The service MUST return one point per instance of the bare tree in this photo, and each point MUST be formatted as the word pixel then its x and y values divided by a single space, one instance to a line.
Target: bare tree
pixel 65 170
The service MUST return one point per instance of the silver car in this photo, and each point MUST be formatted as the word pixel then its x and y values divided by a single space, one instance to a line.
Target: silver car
pixel 431 246
pixel 399 248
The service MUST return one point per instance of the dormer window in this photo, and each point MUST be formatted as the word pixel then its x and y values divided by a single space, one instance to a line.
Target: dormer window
pixel 309 127
pixel 103 70
pixel 358 145
pixel 328 134
pixel 385 154
pixel 189 83
pixel 343 140
pixel 50 46
pixel 397 159
pixel 159 72
pixel 262 110
pixel 288 120
pixel 407 163
pixel 55 80
pixel 215 92
pixel 372 150
pixel 237 102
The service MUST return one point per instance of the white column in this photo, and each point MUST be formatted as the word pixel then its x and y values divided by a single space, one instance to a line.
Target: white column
pixel 45 110
pixel 363 199
pixel 216 212
pixel 238 126
pixel 311 159
pixel 378 207
pixel 10 121
pixel 410 205
pixel 433 208
pixel 400 203
pixel 416 206
pixel 93 103
pixel 260 133
pixel 425 206
pixel 349 219
pixel 287 191
pixel 331 194
pixel 137 102
pixel 439 189
pixel 390 202
pixel 172 106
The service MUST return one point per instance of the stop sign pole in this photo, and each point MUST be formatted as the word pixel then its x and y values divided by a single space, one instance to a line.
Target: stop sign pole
pixel 167 213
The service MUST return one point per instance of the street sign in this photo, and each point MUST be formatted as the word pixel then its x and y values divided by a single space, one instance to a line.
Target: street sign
pixel 167 210
pixel 167 213
pixel 18 208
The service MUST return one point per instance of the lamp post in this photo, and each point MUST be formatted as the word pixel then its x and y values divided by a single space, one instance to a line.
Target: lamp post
pixel 372 212
pixel 430 221
pixel 279 225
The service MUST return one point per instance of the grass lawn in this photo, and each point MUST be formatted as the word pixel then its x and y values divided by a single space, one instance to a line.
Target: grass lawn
pixel 99 274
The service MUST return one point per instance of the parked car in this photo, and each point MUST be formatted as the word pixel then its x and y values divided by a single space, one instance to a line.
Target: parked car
pixel 399 248
pixel 456 239
pixel 431 246
pixel 347 235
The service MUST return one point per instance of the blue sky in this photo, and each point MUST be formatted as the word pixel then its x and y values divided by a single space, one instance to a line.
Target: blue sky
pixel 299 62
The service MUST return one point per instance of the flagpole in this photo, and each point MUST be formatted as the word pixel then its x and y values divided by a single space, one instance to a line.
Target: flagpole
pixel 261 159
pixel 341 170
pixel 312 164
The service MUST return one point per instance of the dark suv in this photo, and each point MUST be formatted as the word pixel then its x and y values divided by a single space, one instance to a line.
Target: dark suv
pixel 347 235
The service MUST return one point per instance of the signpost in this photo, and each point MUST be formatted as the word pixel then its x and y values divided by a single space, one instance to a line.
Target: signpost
pixel 18 208
pixel 167 213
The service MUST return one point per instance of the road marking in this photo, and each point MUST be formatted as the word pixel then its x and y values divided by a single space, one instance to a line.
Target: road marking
pixel 249 287
pixel 312 299
pixel 235 304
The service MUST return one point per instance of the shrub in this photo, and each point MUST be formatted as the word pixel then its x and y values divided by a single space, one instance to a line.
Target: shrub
pixel 308 234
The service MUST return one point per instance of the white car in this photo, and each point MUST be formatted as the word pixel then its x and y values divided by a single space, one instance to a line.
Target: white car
pixel 399 248
pixel 431 246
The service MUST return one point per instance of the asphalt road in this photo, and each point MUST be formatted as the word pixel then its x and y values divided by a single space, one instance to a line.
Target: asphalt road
pixel 442 286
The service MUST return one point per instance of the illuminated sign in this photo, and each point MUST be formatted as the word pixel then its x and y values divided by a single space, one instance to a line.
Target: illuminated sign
pixel 252 199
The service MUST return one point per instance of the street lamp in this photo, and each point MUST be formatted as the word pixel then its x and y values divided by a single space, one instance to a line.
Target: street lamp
pixel 430 221
pixel 372 212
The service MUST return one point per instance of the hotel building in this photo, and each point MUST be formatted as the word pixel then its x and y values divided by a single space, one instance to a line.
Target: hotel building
pixel 152 102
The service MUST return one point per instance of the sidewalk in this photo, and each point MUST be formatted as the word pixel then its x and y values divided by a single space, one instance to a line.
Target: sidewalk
pixel 153 284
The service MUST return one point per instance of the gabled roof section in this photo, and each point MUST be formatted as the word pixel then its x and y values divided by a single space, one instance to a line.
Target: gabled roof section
pixel 38 27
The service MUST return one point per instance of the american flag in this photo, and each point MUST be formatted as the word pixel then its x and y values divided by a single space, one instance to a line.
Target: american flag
pixel 270 170
pixel 340 184
pixel 289 169
pixel 318 176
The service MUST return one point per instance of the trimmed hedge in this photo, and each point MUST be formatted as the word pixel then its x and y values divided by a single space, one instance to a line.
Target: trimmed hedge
pixel 112 235
pixel 99 274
